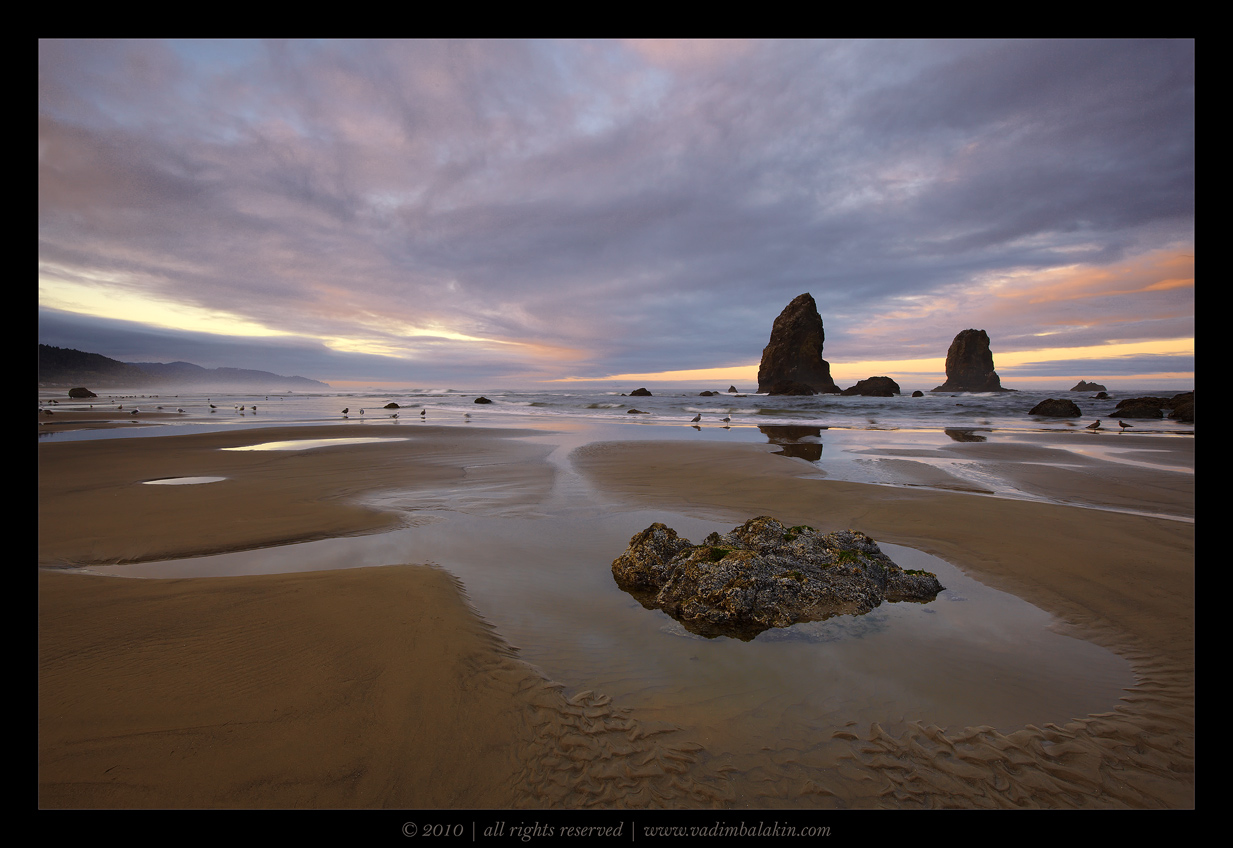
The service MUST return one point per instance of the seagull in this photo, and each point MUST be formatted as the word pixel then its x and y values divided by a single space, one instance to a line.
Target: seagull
pixel 395 415
pixel 727 419
pixel 1123 425
pixel 466 415
pixel 697 418
pixel 135 411
pixel 361 411
pixel 346 409
pixel 178 409
pixel 1095 426
pixel 423 413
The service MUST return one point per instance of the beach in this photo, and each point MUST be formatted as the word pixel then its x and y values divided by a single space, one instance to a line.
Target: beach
pixel 400 685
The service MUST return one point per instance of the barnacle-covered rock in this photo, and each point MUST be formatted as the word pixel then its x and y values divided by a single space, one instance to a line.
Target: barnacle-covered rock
pixel 763 574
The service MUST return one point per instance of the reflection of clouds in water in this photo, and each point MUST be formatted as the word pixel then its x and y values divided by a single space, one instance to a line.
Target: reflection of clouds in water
pixel 836 629
pixel 839 628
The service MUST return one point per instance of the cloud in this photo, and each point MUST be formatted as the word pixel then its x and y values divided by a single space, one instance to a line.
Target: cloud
pixel 622 207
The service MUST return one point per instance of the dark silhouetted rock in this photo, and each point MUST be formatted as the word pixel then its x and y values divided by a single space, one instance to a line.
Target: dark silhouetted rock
pixel 874 387
pixel 1142 407
pixel 707 394
pixel 639 393
pixel 1141 410
pixel 969 365
pixel 81 392
pixel 1100 396
pixel 482 399
pixel 918 393
pixel 392 405
pixel 794 353
pixel 763 574
pixel 788 387
pixel 1053 408
pixel 732 389
pixel 1184 411
pixel 1083 386
pixel 636 412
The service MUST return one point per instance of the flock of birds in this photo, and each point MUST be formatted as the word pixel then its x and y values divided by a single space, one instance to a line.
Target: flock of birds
pixel 346 413
pixel 1096 426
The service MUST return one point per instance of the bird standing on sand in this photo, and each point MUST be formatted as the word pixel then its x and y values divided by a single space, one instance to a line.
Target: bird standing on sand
pixel 361 412
pixel 727 419
pixel 697 418
pixel 1095 426
pixel 346 409
pixel 423 413
pixel 1123 425
pixel 395 415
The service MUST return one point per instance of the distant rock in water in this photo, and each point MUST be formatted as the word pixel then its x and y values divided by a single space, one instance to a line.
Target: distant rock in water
pixel 707 394
pixel 1084 386
pixel 732 389
pixel 794 354
pixel 1143 407
pixel 482 399
pixel 918 393
pixel 969 365
pixel 392 405
pixel 636 412
pixel 1183 407
pixel 640 393
pixel 1054 408
pixel 81 392
pixel 763 574
pixel 874 387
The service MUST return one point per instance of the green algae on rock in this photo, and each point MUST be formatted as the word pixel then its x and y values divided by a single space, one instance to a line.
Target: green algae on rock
pixel 763 574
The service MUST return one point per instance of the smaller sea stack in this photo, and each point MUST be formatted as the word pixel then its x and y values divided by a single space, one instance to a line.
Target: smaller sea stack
pixel 969 365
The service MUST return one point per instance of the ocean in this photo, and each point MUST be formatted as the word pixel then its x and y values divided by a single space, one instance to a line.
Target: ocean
pixel 935 412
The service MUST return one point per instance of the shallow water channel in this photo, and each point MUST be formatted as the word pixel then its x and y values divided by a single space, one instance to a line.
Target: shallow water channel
pixel 974 656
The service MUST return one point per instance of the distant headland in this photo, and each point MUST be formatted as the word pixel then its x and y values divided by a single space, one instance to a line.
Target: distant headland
pixel 60 366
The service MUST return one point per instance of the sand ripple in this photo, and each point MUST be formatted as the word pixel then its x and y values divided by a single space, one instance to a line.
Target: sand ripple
pixel 587 752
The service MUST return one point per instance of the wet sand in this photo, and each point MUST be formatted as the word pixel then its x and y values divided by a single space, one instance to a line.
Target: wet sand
pixel 264 692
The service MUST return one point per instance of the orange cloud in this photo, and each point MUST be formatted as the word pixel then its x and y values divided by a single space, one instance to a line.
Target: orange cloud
pixel 1158 271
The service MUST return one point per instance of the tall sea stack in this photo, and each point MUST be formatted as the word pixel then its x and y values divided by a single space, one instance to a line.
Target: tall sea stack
pixel 969 365
pixel 792 362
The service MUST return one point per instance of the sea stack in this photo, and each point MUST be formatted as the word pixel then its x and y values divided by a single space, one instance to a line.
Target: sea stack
pixel 793 357
pixel 969 365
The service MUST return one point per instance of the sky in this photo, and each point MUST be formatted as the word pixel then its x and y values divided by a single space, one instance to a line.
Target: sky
pixel 545 214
